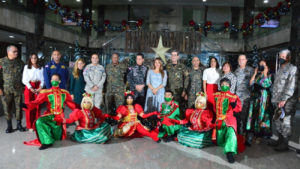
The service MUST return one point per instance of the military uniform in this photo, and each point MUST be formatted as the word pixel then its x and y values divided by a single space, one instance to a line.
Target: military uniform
pixel 53 68
pixel 137 76
pixel 94 76
pixel 243 77
pixel 177 78
pixel 11 85
pixel 115 86
pixel 285 89
pixel 194 84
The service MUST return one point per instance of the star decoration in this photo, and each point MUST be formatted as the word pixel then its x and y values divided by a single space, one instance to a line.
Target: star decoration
pixel 160 50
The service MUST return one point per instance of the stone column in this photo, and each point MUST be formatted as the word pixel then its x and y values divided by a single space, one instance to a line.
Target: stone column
pixel 87 15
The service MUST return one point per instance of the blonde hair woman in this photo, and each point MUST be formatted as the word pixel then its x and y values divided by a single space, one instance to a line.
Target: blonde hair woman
pixel 156 82
pixel 77 82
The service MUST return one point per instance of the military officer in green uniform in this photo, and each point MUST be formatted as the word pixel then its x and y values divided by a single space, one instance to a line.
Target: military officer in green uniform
pixel 115 83
pixel 194 82
pixel 11 87
pixel 177 78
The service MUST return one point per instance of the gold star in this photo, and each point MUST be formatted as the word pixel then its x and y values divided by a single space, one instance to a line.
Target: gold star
pixel 161 50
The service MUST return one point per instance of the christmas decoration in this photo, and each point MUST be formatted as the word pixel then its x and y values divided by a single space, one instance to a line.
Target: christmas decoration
pixel 160 50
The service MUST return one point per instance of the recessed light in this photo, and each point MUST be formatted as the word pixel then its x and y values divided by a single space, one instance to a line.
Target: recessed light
pixel 50 47
pixel 11 36
pixel 204 0
pixel 77 0
pixel 266 1
pixel 20 43
pixel 129 0
pixel 70 47
pixel 93 11
pixel 3 1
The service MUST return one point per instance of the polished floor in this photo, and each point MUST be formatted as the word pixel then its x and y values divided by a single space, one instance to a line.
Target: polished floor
pixel 136 153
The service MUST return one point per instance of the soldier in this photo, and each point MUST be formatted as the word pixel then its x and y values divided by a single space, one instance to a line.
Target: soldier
pixel 136 78
pixel 56 67
pixel 284 98
pixel 11 87
pixel 194 84
pixel 177 78
pixel 94 75
pixel 243 75
pixel 115 86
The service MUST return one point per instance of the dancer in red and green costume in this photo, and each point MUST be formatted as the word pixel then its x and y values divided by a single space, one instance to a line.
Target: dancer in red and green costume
pixel 129 125
pixel 226 126
pixel 91 128
pixel 169 110
pixel 47 129
pixel 197 129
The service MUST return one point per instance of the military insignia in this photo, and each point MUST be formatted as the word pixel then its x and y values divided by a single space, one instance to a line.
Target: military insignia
pixel 53 67
pixel 63 66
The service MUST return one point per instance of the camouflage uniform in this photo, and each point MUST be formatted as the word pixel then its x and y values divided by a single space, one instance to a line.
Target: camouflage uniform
pixel 95 76
pixel 243 77
pixel 285 89
pixel 11 85
pixel 194 84
pixel 137 76
pixel 177 78
pixel 115 86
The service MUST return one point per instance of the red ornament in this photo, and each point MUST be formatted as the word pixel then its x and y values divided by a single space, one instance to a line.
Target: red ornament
pixel 139 23
pixel 251 21
pixel 124 22
pixel 226 24
pixel 128 93
pixel 106 22
pixel 192 23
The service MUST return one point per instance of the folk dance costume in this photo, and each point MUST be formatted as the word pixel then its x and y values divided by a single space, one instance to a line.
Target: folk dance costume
pixel 89 129
pixel 226 126
pixel 48 130
pixel 199 120
pixel 169 111
pixel 259 117
pixel 32 78
pixel 129 125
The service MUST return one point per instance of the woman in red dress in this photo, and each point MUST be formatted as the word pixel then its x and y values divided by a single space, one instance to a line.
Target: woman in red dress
pixel 129 125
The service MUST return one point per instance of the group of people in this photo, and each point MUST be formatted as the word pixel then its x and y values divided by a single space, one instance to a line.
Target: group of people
pixel 195 106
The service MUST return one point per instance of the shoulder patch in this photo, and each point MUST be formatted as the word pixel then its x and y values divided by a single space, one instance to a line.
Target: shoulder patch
pixel 63 66
pixel 53 67
pixel 46 65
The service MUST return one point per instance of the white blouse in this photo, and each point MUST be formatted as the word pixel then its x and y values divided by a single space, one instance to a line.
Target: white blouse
pixel 33 74
pixel 211 75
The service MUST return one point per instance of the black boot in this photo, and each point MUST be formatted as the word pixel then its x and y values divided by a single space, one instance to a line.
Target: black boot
pixel 230 158
pixel 274 143
pixel 283 146
pixel 19 126
pixel 9 127
pixel 45 146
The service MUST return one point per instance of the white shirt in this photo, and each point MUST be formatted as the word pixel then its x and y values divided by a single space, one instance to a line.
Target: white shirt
pixel 211 75
pixel 33 74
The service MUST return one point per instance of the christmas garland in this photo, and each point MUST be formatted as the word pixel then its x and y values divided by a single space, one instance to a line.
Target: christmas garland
pixel 73 16
pixel 281 9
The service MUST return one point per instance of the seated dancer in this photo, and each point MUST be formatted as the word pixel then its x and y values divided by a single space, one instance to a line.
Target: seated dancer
pixel 89 129
pixel 169 111
pixel 199 123
pixel 48 130
pixel 227 104
pixel 129 125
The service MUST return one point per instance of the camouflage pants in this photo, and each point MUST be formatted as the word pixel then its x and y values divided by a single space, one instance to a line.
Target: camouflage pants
pixel 284 126
pixel 97 99
pixel 8 101
pixel 113 101
pixel 243 116
pixel 182 103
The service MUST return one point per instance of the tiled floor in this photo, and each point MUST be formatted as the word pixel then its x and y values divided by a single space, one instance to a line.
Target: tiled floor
pixel 131 153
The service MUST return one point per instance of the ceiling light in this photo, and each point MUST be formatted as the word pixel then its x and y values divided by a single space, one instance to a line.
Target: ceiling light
pixel 20 43
pixel 266 1
pixel 93 11
pixel 70 47
pixel 204 0
pixel 77 0
pixel 3 1
pixel 11 36
pixel 129 0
